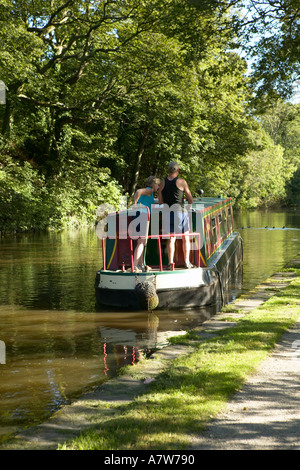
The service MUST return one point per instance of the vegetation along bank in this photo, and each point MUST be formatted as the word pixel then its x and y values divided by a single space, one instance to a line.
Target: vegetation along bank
pixel 100 95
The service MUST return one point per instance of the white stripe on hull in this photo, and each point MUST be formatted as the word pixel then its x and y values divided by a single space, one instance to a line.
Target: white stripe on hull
pixel 187 278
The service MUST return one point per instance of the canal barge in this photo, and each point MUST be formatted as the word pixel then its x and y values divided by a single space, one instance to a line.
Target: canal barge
pixel 215 255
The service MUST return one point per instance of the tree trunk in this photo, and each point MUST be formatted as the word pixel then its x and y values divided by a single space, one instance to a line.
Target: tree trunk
pixel 7 119
pixel 138 158
pixel 157 160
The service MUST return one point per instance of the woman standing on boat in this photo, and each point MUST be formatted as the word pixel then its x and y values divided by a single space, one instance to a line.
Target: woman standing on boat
pixel 144 197
pixel 171 192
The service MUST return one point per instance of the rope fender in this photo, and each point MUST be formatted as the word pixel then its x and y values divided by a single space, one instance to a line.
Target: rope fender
pixel 147 296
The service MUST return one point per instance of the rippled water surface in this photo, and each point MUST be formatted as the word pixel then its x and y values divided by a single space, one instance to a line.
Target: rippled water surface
pixel 58 345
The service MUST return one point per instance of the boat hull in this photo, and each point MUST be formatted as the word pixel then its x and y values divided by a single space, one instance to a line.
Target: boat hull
pixel 227 259
pixel 182 288
pixel 172 292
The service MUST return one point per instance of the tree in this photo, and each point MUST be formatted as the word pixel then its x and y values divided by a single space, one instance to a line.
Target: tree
pixel 102 93
pixel 271 31
pixel 264 181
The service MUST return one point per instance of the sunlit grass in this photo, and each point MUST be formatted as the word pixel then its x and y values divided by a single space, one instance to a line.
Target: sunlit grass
pixel 195 388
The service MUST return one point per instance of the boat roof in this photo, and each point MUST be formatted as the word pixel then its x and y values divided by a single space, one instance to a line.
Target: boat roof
pixel 201 204
pixel 206 203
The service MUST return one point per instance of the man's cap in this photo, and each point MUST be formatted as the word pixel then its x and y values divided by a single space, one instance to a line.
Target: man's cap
pixel 173 167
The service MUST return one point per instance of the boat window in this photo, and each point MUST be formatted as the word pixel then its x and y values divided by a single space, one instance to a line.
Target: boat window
pixel 221 225
pixel 229 218
pixel 214 230
pixel 207 233
pixel 224 222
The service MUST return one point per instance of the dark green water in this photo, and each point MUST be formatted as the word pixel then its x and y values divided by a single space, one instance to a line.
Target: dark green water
pixel 270 240
pixel 58 345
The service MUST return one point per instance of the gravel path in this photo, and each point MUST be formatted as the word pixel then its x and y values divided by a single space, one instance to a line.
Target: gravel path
pixel 265 414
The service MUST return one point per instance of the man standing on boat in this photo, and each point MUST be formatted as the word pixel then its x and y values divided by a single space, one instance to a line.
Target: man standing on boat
pixel 171 192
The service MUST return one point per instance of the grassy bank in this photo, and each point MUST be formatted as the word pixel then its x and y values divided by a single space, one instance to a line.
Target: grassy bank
pixel 196 387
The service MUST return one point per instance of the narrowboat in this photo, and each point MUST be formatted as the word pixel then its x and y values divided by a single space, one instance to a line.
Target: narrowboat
pixel 216 253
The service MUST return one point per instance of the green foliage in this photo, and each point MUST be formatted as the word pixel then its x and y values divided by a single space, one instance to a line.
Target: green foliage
pixel 265 176
pixel 282 123
pixel 21 196
pixel 101 95
pixel 28 202
pixel 271 32
pixel 75 194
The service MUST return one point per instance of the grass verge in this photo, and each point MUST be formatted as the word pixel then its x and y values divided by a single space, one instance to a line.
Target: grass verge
pixel 196 387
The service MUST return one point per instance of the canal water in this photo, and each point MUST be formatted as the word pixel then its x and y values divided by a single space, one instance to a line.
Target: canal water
pixel 58 345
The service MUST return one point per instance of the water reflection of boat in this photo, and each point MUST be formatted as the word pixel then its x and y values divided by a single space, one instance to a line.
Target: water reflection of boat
pixel 126 346
pixel 216 254
pixel 122 347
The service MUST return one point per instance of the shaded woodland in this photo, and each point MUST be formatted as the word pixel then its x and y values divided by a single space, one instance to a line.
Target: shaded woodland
pixel 102 94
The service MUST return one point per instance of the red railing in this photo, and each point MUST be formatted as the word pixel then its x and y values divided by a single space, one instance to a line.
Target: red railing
pixel 159 238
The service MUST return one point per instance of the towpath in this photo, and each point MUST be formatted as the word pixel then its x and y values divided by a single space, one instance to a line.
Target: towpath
pixel 265 414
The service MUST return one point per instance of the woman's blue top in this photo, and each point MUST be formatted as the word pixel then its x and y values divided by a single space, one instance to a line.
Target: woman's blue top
pixel 146 200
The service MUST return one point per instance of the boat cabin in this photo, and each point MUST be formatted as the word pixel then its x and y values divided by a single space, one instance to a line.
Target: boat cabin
pixel 211 221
